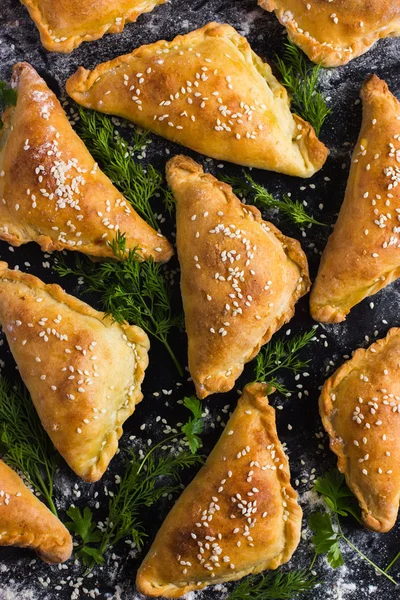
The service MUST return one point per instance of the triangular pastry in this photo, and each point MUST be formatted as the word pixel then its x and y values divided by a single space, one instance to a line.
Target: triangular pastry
pixel 333 33
pixel 238 516
pixel 360 410
pixel 83 370
pixel 363 253
pixel 240 276
pixel 51 190
pixel 209 91
pixel 64 25
pixel 26 522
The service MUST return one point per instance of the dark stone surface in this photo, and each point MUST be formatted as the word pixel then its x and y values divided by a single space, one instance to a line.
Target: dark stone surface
pixel 21 575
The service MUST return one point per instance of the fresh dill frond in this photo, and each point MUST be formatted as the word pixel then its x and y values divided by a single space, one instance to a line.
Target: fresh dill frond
pixel 130 290
pixel 274 586
pixel 264 200
pixel 300 78
pixel 169 201
pixel 25 445
pixel 282 354
pixel 8 97
pixel 144 482
pixel 138 183
pixel 327 530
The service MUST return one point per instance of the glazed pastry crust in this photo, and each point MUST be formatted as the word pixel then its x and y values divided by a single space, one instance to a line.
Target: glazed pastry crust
pixel 51 190
pixel 65 25
pixel 234 108
pixel 365 434
pixel 362 255
pixel 87 380
pixel 275 535
pixel 26 522
pixel 256 300
pixel 334 34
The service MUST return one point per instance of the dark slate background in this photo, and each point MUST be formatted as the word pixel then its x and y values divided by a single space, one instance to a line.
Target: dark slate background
pixel 22 576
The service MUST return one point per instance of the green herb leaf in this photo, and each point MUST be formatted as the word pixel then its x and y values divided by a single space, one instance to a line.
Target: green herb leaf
pixel 25 444
pixel 300 77
pixel 325 539
pixel 82 525
pixel 130 290
pixel 264 200
pixel 138 183
pixel 332 486
pixel 194 427
pixel 274 586
pixel 8 97
pixel 282 354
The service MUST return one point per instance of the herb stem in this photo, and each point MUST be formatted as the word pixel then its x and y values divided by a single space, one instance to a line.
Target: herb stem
pixel 390 565
pixel 163 339
pixel 349 543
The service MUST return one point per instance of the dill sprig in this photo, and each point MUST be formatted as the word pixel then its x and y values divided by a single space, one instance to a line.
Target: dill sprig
pixel 274 586
pixel 264 200
pixel 300 78
pixel 326 527
pixel 24 443
pixel 130 290
pixel 115 156
pixel 8 97
pixel 282 354
pixel 144 482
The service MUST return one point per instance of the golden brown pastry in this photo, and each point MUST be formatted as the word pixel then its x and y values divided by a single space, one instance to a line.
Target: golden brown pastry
pixel 51 190
pixel 240 277
pixel 360 410
pixel 26 522
pixel 209 91
pixel 64 24
pixel 333 32
pixel 83 370
pixel 362 255
pixel 238 516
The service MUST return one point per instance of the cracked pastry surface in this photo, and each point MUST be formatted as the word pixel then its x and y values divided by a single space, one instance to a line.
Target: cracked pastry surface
pixel 360 410
pixel 83 370
pixel 26 522
pixel 64 25
pixel 362 255
pixel 240 276
pixel 333 33
pixel 209 91
pixel 52 191
pixel 246 476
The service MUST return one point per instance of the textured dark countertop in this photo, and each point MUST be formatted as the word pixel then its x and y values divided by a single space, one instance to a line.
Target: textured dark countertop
pixel 22 576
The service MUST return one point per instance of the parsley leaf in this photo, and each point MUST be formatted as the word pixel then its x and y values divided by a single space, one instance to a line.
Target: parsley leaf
pixel 340 499
pixel 83 527
pixel 325 539
pixel 194 426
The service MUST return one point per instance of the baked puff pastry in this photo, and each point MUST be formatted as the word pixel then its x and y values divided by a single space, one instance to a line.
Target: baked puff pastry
pixel 333 33
pixel 26 522
pixel 238 516
pixel 360 410
pixel 83 370
pixel 240 276
pixel 209 91
pixel 64 25
pixel 51 190
pixel 363 253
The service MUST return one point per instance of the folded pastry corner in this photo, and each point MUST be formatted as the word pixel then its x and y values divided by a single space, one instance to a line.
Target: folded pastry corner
pixel 240 276
pixel 246 476
pixel 360 410
pixel 26 522
pixel 362 255
pixel 65 25
pixel 52 191
pixel 209 91
pixel 334 34
pixel 83 371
